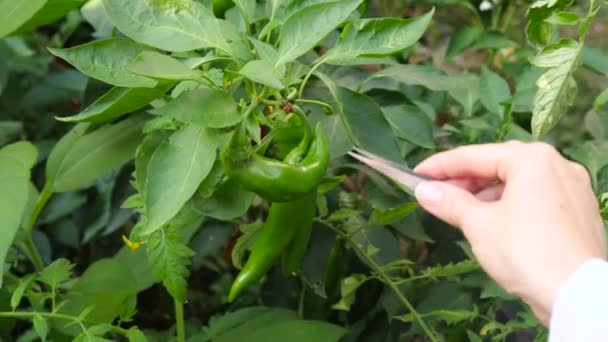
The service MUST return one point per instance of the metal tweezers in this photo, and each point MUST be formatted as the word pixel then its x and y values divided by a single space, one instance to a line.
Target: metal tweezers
pixel 398 173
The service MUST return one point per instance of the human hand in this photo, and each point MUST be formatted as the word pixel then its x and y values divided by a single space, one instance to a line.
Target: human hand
pixel 529 214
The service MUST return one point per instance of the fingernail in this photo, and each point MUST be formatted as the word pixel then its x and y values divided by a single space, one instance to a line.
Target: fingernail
pixel 428 194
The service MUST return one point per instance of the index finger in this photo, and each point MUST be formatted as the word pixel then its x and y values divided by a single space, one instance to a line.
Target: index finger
pixel 489 161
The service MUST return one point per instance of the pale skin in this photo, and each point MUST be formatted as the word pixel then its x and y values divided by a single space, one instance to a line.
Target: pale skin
pixel 530 215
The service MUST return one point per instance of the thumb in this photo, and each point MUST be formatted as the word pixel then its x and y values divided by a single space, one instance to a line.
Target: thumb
pixel 446 201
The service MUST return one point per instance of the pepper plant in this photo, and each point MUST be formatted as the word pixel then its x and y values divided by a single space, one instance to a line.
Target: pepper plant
pixel 198 186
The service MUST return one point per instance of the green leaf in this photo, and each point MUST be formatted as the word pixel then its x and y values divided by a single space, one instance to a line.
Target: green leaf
pixel 450 269
pixel 494 90
pixel 14 13
pixel 80 157
pixel 304 29
pixel 170 259
pixel 348 290
pixel 41 327
pixel 228 202
pixel 592 154
pixel 106 60
pixel 116 103
pixel 52 11
pixel 376 38
pixel 595 59
pixel 369 127
pixel 160 66
pixel 463 88
pixel 556 87
pixel 175 170
pixel 99 293
pixel 382 217
pixel 16 161
pixel 601 100
pixel 56 273
pixel 262 72
pixel 174 25
pixel 245 242
pixel 19 291
pixel 462 38
pixel 493 40
pixel 94 13
pixel 136 335
pixel 271 324
pixel 411 124
pixel 563 18
pixel 448 316
pixel 205 107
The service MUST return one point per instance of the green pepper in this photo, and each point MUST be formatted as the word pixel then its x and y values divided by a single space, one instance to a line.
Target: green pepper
pixel 299 243
pixel 273 239
pixel 221 6
pixel 333 270
pixel 275 180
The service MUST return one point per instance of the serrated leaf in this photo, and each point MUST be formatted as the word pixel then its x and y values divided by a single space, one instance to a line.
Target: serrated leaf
pixel 245 242
pixel 305 28
pixel 41 327
pixel 176 25
pixel 449 270
pixel 116 103
pixel 106 60
pixel 348 289
pixel 170 258
pixel 56 273
pixel 448 316
pixel 386 217
pixel 80 157
pixel 376 37
pixel 343 214
pixel 205 107
pixel 19 291
pixel 557 88
pixel 175 170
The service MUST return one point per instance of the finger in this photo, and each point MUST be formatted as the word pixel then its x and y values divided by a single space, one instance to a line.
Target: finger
pixel 490 161
pixel 492 193
pixel 472 185
pixel 447 202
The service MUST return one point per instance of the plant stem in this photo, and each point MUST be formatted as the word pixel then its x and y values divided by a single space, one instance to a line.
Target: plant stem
pixel 179 321
pixel 305 81
pixel 384 277
pixel 34 255
pixel 508 17
pixel 45 195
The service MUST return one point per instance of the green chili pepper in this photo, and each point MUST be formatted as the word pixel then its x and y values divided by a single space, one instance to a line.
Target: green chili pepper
pixel 334 266
pixel 275 180
pixel 274 237
pixel 303 225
